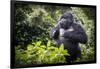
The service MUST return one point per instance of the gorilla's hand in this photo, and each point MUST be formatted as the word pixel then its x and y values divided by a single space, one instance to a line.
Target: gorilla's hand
pixel 55 34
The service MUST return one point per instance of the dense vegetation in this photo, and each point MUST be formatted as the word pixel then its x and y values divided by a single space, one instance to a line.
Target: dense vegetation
pixel 33 44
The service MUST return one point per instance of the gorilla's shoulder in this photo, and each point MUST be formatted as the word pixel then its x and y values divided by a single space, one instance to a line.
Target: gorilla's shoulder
pixel 76 25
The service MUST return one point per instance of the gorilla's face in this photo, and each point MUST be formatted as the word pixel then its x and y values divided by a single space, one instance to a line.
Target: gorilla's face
pixel 66 21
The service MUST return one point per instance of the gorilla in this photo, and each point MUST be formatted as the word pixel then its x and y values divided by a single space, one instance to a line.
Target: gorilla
pixel 70 33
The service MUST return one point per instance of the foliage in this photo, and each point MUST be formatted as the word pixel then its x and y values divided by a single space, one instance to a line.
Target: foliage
pixel 40 54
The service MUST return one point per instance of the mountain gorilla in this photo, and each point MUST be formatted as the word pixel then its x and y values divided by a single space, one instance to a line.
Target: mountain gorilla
pixel 70 33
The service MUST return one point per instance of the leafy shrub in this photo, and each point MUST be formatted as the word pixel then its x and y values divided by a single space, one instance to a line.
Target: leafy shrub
pixel 36 53
pixel 87 53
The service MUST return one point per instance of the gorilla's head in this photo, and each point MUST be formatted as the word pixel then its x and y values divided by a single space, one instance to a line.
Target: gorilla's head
pixel 66 20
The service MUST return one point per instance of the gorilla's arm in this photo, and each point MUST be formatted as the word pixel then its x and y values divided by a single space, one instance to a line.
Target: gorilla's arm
pixel 78 35
pixel 55 32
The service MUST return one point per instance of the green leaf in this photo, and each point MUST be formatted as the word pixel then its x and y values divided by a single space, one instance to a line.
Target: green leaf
pixel 52 48
pixel 38 43
pixel 49 43
pixel 43 46
pixel 61 47
pixel 30 47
